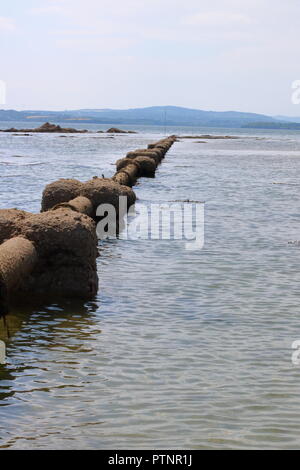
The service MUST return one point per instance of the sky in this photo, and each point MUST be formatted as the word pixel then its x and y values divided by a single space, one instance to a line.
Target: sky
pixel 205 54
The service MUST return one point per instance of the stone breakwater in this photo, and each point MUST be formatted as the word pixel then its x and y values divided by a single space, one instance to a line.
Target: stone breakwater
pixel 54 253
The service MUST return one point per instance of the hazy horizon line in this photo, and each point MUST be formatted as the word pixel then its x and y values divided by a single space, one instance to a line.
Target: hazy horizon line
pixel 140 107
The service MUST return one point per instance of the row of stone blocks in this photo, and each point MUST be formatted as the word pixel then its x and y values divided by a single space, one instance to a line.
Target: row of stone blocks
pixel 53 253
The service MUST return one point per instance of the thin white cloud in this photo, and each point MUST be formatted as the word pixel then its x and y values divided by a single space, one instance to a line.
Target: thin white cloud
pixel 103 44
pixel 46 10
pixel 216 18
pixel 7 25
pixel 200 53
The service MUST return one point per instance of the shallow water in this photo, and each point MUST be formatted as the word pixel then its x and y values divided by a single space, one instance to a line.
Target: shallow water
pixel 180 349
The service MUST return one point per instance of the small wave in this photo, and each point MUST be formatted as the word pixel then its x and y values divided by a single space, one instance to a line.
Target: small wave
pixel 10 176
pixel 23 164
pixel 288 184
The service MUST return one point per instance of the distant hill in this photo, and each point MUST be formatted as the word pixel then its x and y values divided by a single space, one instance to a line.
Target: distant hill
pixel 288 118
pixel 155 115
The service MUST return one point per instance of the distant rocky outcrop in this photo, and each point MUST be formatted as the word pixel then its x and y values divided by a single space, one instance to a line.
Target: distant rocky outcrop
pixel 47 127
pixel 115 130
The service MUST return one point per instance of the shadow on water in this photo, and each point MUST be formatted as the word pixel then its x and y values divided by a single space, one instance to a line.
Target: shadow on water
pixel 33 332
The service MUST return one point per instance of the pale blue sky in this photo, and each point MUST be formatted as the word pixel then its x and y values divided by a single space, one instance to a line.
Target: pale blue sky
pixel 204 54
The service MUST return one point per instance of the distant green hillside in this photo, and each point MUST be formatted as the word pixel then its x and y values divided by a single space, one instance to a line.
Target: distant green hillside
pixel 155 115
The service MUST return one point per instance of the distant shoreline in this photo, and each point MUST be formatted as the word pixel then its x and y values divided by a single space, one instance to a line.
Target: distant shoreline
pixel 272 125
pixel 155 116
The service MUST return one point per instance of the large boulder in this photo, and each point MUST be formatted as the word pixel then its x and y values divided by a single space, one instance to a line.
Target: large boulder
pixel 11 221
pixel 65 243
pixel 148 166
pixel 106 191
pixel 59 191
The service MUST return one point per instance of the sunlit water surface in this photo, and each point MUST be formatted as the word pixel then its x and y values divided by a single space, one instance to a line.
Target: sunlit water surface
pixel 180 349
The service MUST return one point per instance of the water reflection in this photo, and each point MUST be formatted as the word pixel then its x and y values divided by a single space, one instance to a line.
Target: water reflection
pixel 31 334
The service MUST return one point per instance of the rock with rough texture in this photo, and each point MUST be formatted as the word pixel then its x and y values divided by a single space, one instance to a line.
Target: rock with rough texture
pixel 115 130
pixel 60 191
pixel 124 162
pixel 79 204
pixel 148 166
pixel 97 190
pixel 123 177
pixel 128 171
pixel 18 257
pixel 47 127
pixel 156 154
pixel 66 246
pixel 106 191
pixel 155 157
pixel 10 220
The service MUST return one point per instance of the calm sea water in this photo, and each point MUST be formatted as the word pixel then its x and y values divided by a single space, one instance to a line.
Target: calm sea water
pixel 180 349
